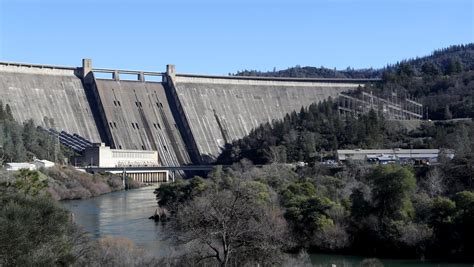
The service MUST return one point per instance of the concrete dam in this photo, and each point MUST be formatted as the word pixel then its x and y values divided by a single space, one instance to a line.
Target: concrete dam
pixel 186 118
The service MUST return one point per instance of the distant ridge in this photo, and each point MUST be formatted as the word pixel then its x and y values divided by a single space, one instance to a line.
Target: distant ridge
pixel 441 58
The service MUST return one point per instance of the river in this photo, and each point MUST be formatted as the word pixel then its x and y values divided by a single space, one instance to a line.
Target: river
pixel 125 214
pixel 122 213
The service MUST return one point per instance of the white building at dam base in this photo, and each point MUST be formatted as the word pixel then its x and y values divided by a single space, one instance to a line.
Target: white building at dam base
pixel 99 155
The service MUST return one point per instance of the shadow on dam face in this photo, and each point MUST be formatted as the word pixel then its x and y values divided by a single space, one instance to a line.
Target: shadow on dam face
pixel 52 98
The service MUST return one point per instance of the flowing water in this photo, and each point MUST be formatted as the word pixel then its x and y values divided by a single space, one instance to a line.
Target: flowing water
pixel 125 214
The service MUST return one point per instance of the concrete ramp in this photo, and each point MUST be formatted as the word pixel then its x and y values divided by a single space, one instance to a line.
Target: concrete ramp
pixel 223 109
pixel 52 97
pixel 138 116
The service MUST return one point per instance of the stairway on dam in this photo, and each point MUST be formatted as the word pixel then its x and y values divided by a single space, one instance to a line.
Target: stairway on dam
pixel 186 118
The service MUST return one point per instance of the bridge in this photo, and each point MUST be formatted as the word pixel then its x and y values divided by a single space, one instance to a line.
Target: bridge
pixel 151 174
pixel 93 169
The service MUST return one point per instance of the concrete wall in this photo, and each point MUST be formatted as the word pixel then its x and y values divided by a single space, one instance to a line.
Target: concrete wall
pixel 219 110
pixel 36 92
pixel 187 115
pixel 139 117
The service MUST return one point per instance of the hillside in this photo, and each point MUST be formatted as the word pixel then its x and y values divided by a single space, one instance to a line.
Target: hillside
pixel 444 60
pixel 317 131
pixel 314 72
pixel 442 81
pixel 357 208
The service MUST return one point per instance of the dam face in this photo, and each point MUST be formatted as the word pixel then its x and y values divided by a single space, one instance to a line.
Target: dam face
pixel 52 97
pixel 186 118
pixel 139 117
pixel 220 110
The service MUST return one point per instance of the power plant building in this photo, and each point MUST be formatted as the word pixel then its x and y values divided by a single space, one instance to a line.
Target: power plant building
pixel 103 156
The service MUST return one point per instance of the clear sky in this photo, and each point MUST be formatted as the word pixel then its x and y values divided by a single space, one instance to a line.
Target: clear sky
pixel 222 36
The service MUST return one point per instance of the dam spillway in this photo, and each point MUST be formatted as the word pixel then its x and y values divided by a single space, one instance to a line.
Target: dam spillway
pixel 186 118
pixel 139 117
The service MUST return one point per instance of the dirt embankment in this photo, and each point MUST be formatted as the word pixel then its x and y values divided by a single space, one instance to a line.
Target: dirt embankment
pixel 66 183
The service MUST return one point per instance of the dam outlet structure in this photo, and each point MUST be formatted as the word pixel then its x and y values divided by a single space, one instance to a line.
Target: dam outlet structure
pixel 186 118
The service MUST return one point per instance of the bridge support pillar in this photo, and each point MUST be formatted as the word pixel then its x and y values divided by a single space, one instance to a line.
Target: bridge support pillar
pixel 124 177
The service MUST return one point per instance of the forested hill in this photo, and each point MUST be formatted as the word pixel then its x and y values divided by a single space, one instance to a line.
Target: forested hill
pixel 442 81
pixel 317 131
pixel 442 61
pixel 314 72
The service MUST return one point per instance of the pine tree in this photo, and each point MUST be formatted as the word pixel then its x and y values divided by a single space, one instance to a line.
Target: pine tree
pixel 8 111
pixel 447 113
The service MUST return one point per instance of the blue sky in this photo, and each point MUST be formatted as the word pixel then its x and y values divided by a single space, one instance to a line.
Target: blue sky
pixel 218 37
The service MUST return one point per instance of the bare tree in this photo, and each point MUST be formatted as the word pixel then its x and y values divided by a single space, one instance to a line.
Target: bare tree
pixel 276 154
pixel 118 251
pixel 434 183
pixel 230 226
pixel 332 237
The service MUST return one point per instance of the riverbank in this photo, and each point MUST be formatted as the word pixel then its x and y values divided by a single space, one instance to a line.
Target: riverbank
pixel 323 260
pixel 124 215
pixel 67 183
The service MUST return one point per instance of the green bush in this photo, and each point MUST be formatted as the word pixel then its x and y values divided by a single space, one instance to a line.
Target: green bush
pixel 33 231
